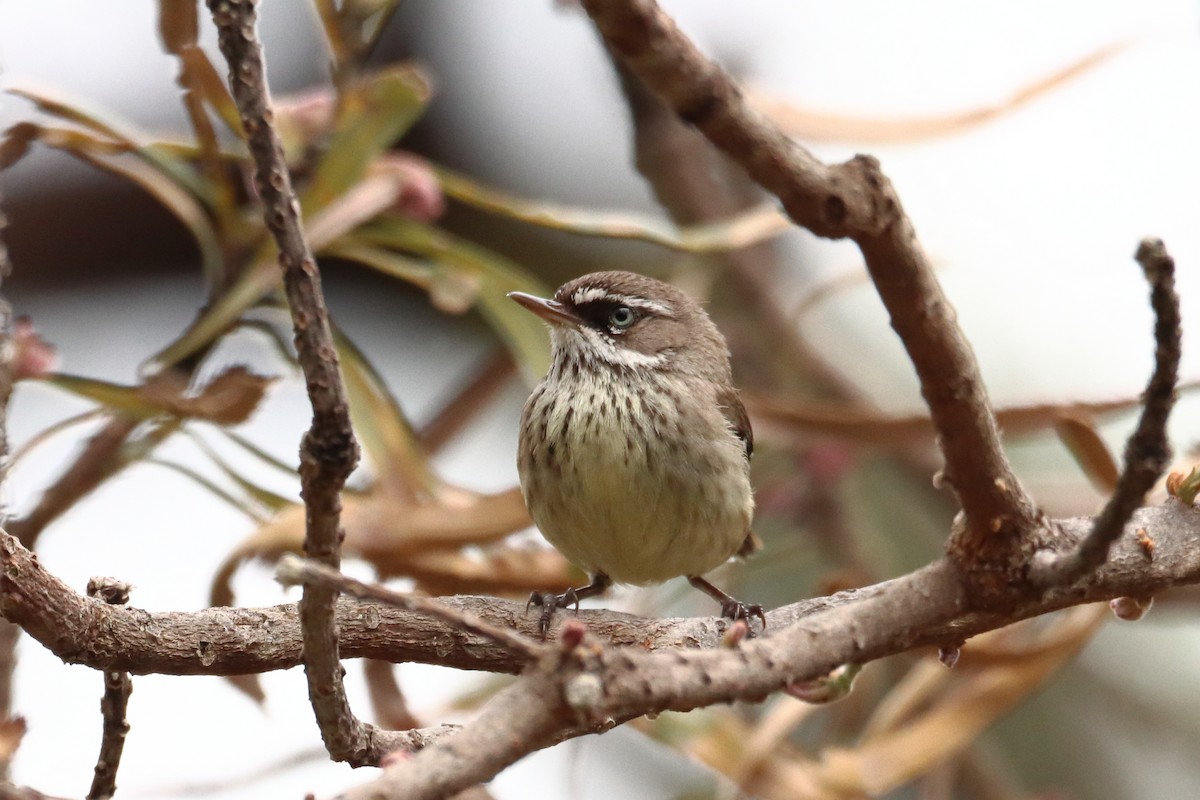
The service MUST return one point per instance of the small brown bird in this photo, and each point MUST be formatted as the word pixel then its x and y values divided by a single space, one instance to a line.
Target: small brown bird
pixel 634 450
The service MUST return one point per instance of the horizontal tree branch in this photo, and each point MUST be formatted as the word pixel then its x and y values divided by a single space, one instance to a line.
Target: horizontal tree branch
pixel 234 641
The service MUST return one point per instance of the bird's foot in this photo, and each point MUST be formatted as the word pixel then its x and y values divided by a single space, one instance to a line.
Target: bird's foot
pixel 734 610
pixel 731 608
pixel 551 602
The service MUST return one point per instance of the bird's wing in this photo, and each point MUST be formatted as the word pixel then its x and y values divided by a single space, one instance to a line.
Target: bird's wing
pixel 735 414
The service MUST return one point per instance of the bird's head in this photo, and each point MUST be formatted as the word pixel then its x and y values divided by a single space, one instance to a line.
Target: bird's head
pixel 625 321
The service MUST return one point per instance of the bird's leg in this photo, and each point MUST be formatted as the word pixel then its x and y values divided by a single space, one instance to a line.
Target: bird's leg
pixel 731 608
pixel 551 602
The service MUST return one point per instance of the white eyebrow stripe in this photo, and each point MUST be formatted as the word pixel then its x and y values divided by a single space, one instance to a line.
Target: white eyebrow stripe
pixel 593 293
pixel 643 303
pixel 588 295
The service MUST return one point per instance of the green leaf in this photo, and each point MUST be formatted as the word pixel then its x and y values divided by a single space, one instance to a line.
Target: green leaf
pixel 490 276
pixel 265 497
pixel 254 450
pixel 120 131
pixel 373 114
pixel 358 204
pixel 117 397
pixel 107 155
pixel 390 441
pixel 749 227
pixel 389 262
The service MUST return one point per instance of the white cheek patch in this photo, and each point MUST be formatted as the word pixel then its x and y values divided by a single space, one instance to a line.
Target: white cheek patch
pixel 598 346
pixel 631 358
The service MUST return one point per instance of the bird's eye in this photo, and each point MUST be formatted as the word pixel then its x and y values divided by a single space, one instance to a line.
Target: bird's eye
pixel 622 317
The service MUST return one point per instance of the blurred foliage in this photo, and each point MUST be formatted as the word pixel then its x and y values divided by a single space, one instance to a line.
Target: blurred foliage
pixel 834 511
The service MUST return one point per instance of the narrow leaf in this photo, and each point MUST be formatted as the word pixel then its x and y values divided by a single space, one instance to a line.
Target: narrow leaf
pixel 750 227
pixel 375 112
pixel 386 434
pixel 109 125
pixel 491 275
pixel 1083 441
pixel 110 156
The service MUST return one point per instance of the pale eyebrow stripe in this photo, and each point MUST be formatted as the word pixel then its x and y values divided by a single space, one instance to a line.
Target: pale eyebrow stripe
pixel 588 295
pixel 593 293
pixel 643 303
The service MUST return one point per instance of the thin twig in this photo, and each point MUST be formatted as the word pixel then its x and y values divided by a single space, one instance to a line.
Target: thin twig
pixel 1147 452
pixel 850 200
pixel 293 570
pixel 798 416
pixel 117 688
pixel 329 451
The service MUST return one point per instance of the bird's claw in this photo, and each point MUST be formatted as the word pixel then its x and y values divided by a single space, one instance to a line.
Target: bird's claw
pixel 551 602
pixel 734 610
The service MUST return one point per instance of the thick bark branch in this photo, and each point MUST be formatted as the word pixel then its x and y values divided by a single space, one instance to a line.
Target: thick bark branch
pixel 595 687
pixel 234 641
pixel 329 451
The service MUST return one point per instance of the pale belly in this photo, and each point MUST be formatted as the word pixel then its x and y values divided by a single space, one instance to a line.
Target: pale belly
pixel 621 492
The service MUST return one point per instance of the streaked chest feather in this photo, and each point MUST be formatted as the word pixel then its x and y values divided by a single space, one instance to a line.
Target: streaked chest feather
pixel 643 484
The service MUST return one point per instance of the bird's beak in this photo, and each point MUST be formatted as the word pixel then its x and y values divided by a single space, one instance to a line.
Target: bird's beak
pixel 552 311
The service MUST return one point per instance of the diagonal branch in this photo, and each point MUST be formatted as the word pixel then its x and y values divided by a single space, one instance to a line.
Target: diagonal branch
pixel 1147 453
pixel 329 451
pixel 850 200
pixel 293 569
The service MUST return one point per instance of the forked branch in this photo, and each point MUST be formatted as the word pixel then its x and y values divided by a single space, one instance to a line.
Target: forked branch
pixel 1147 452
pixel 851 200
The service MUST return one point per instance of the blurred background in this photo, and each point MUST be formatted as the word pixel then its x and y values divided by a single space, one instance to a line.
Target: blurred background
pixel 1033 143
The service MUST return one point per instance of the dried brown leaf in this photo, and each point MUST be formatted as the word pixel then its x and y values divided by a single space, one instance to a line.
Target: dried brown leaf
pixel 877 429
pixel 1082 439
pixel 399 539
pixel 815 126
pixel 500 570
pixel 178 24
pixel 12 731
pixel 228 399
pixel 977 695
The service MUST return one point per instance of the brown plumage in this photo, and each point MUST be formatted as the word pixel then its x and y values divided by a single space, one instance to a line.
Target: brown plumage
pixel 634 449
